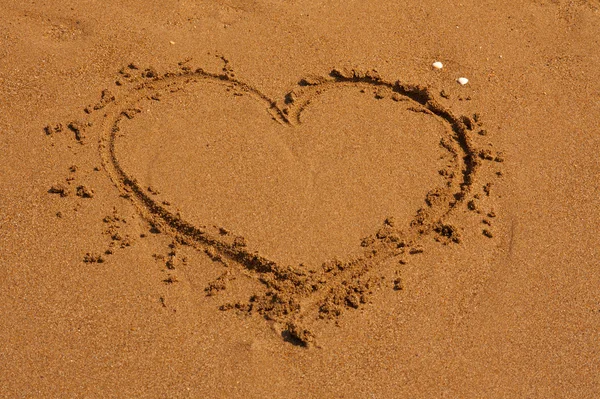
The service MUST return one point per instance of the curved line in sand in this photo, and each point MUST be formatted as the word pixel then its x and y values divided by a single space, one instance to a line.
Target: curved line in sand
pixel 294 293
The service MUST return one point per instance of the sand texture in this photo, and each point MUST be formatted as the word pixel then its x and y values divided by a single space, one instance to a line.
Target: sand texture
pixel 266 199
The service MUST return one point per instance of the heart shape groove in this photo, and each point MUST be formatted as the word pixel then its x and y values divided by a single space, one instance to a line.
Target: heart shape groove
pixel 291 295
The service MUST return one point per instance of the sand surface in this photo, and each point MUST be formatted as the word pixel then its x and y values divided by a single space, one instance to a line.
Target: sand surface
pixel 263 199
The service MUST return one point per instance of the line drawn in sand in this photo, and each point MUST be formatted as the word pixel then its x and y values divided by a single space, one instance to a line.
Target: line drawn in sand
pixel 295 296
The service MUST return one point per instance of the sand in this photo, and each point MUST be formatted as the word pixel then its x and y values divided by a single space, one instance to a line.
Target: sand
pixel 286 199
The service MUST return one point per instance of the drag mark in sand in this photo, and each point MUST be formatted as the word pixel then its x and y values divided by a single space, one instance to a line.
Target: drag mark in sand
pixel 296 296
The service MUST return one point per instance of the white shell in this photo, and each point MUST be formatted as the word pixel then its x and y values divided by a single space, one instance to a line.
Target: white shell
pixel 437 65
pixel 462 81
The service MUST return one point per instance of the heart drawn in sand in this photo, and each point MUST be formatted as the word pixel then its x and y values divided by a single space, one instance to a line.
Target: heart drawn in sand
pixel 292 294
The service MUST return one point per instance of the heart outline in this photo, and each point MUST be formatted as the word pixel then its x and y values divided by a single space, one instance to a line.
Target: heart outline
pixel 292 293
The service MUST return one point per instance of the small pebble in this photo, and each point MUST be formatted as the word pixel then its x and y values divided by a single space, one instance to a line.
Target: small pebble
pixel 462 81
pixel 437 65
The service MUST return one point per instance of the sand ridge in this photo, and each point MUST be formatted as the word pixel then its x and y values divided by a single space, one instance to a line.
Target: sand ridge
pixel 292 296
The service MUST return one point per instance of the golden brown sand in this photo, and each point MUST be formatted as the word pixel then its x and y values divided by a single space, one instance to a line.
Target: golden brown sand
pixel 285 199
